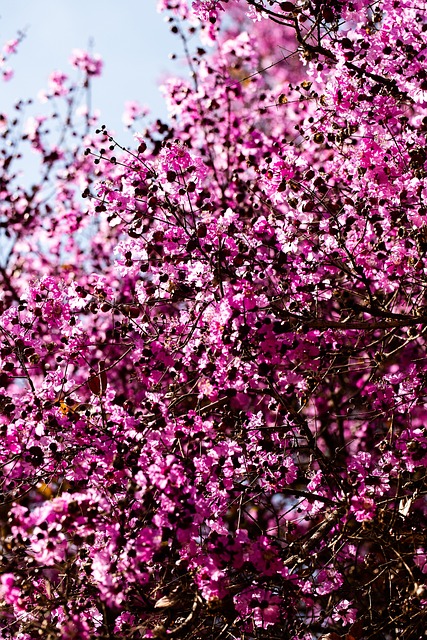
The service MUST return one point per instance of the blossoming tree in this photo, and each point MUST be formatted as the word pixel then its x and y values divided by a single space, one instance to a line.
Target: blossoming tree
pixel 213 371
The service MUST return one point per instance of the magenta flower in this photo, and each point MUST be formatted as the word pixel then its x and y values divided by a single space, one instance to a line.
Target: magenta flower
pixel 363 508
pixel 9 592
pixel 328 580
pixel 420 559
pixel 344 612
pixel 260 606
pixel 206 10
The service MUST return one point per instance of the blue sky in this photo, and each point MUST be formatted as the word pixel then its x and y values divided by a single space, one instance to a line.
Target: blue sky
pixel 132 38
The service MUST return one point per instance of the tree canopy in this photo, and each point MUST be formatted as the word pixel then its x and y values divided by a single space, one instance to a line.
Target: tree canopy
pixel 212 344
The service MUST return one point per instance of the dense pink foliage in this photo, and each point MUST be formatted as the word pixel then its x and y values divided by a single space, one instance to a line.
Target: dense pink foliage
pixel 212 368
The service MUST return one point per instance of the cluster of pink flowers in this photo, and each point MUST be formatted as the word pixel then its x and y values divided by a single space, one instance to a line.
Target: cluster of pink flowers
pixel 86 62
pixel 206 10
pixel 133 112
pixel 9 48
pixel 212 346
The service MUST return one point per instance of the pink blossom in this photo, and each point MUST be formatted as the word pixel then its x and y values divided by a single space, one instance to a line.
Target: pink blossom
pixel 90 64
pixel 328 580
pixel 133 111
pixel 344 612
pixel 420 560
pixel 363 508
pixel 75 628
pixel 11 46
pixel 260 605
pixel 178 7
pixel 9 592
pixel 7 74
pixel 56 83
pixel 206 9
